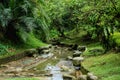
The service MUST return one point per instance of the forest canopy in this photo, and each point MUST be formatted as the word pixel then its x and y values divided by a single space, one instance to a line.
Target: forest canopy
pixel 44 20
pixel 75 39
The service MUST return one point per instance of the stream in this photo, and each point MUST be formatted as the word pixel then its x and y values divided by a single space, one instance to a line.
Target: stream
pixel 63 69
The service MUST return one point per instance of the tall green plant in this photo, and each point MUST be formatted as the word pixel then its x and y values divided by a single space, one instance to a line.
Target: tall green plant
pixel 21 16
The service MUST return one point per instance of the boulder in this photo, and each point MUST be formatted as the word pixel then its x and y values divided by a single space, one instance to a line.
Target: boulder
pixel 45 47
pixel 90 76
pixel 82 77
pixel 68 77
pixel 46 51
pixel 35 55
pixel 69 58
pixel 77 61
pixel 18 69
pixel 65 68
pixel 81 48
pixel 4 66
pixel 77 53
pixel 78 73
pixel 55 57
pixel 78 58
pixel 30 74
pixel 30 52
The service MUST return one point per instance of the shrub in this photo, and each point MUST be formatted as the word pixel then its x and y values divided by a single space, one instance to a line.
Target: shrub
pixel 3 49
pixel 115 38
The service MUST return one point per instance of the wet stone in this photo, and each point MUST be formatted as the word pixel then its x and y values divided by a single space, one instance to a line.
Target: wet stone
pixel 90 76
pixel 46 51
pixel 69 58
pixel 78 58
pixel 30 74
pixel 82 77
pixel 81 48
pixel 10 75
pixel 47 55
pixel 4 66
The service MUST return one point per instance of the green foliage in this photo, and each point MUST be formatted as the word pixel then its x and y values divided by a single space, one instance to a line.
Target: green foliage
pixel 42 17
pixel 34 42
pixel 53 33
pixel 31 41
pixel 24 15
pixel 3 49
pixel 116 38
pixel 106 67
pixel 98 18
pixel 113 77
pixel 7 49
pixel 94 49
pixel 59 13
pixel 5 15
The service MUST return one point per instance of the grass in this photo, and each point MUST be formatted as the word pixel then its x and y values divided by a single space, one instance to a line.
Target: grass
pixel 33 42
pixel 106 67
pixel 9 50
pixel 76 37
pixel 93 46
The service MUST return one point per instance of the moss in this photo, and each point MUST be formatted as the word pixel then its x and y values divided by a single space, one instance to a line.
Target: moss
pixel 106 67
pixel 33 42
pixel 92 47
pixel 112 77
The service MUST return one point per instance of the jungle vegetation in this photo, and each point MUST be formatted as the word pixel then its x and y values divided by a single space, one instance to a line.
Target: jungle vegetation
pixel 35 22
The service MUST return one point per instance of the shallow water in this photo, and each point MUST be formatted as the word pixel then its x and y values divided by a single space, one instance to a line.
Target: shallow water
pixel 55 71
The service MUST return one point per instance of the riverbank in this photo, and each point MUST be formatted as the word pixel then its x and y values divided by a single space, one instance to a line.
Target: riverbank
pixel 105 66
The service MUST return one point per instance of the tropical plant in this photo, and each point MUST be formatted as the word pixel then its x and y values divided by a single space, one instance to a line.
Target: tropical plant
pixel 24 17
pixel 3 49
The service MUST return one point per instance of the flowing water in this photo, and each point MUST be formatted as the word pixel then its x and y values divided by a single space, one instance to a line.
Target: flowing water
pixel 57 71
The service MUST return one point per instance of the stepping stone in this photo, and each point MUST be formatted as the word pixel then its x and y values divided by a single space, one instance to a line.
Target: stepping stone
pixel 78 58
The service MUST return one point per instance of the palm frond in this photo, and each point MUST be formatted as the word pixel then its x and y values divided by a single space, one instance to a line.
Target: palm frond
pixel 28 22
pixel 5 16
pixel 44 27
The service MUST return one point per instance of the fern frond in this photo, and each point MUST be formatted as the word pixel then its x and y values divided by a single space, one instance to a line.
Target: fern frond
pixel 29 22
pixel 5 15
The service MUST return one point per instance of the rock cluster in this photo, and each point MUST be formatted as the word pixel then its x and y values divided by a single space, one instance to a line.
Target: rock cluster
pixel 89 76
pixel 77 59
